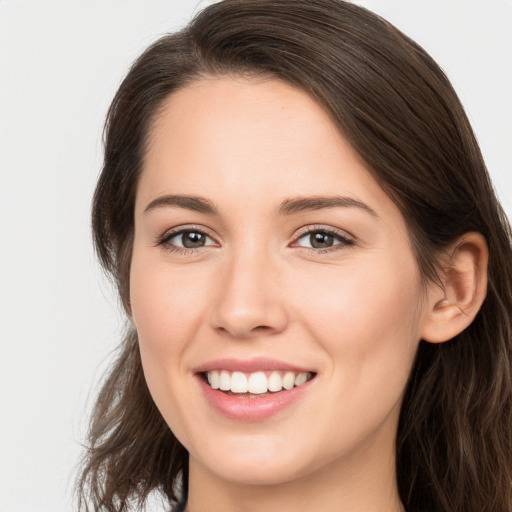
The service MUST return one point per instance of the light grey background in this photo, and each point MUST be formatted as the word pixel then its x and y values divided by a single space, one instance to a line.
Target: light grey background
pixel 60 64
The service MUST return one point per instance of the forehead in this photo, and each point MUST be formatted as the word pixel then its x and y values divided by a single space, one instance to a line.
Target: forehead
pixel 250 138
pixel 241 115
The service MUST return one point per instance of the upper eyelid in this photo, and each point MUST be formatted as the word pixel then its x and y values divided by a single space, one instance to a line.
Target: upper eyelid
pixel 172 232
pixel 328 229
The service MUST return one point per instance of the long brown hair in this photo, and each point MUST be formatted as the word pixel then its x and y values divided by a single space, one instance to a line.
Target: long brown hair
pixel 400 113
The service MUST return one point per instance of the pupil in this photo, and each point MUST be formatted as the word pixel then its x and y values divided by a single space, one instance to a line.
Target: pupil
pixel 321 240
pixel 192 240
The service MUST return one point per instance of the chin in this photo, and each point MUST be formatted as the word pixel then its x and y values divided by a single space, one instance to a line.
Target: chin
pixel 255 463
pixel 247 472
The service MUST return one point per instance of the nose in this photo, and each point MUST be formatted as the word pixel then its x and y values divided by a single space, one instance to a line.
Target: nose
pixel 249 301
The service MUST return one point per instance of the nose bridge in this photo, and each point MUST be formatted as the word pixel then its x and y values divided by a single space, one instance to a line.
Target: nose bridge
pixel 248 300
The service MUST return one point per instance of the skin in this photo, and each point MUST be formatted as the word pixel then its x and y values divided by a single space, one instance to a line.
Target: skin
pixel 354 314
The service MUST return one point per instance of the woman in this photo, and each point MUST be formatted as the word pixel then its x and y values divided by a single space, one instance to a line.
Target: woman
pixel 315 270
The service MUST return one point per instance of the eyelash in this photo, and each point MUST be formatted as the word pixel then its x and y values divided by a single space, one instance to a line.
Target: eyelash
pixel 164 240
pixel 342 238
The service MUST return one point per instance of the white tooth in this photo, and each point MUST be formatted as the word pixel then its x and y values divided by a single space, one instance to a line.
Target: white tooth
pixel 238 382
pixel 288 380
pixel 257 383
pixel 225 381
pixel 301 378
pixel 275 382
pixel 214 379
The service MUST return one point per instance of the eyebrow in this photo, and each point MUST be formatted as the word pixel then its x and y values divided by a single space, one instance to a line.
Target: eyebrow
pixel 196 204
pixel 287 207
pixel 300 204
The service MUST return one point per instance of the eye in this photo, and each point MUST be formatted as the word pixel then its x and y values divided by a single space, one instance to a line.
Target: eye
pixel 322 239
pixel 186 239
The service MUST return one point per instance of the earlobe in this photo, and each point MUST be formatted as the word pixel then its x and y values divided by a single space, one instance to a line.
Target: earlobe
pixel 452 307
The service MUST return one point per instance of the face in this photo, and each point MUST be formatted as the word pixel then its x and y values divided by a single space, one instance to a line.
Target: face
pixel 267 257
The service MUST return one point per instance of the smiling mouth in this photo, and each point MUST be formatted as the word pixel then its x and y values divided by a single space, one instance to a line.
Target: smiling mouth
pixel 256 384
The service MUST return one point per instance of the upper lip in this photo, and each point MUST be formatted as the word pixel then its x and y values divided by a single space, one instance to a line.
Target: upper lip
pixel 249 365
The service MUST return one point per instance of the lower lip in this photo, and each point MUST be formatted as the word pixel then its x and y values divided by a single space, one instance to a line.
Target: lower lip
pixel 252 409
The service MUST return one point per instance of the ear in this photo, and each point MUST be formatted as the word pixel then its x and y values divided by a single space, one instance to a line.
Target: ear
pixel 453 306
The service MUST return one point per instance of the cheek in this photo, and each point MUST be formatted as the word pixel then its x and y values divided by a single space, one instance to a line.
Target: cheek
pixel 367 318
pixel 166 305
pixel 366 321
pixel 166 308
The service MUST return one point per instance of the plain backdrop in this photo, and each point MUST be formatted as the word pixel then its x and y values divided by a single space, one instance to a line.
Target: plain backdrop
pixel 60 64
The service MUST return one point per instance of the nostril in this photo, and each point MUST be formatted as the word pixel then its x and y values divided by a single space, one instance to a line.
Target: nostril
pixel 262 328
pixel 240 332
